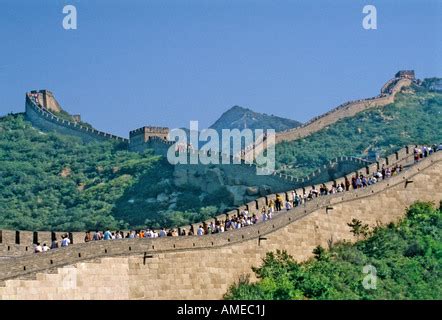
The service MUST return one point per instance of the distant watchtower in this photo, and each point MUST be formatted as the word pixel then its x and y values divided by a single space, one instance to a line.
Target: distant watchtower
pixel 47 100
pixel 142 135
pixel 407 74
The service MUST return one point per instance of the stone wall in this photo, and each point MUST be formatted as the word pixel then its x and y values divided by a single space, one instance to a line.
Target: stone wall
pixel 346 111
pixel 204 267
pixel 44 120
pixel 18 242
pixel 343 111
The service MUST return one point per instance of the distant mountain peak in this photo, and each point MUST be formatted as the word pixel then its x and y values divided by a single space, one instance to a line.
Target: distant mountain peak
pixel 238 117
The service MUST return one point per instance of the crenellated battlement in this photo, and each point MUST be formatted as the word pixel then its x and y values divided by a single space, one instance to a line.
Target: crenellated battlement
pixel 143 135
pixel 149 130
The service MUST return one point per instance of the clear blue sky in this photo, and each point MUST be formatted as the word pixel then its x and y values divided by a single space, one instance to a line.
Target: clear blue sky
pixel 162 62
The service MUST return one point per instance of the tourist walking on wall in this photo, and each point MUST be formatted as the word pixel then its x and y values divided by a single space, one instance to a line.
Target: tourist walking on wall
pixel 54 244
pixel 88 237
pixel 278 202
pixel 38 248
pixel 65 241
pixel 45 248
pixel 107 235
pixel 347 184
pixel 288 205
pixel 97 235
pixel 272 205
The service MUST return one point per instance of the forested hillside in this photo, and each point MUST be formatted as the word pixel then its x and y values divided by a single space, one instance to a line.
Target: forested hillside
pixel 50 181
pixel 407 258
pixel 53 182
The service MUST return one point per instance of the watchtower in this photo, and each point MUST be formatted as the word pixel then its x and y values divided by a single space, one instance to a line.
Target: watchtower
pixel 144 134
pixel 407 74
pixel 46 99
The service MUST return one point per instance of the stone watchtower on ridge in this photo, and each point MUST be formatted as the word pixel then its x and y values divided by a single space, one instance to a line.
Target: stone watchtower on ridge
pixel 408 74
pixel 47 100
pixel 138 137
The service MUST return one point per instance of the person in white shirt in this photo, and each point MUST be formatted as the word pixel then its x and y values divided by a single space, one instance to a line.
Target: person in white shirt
pixel 264 216
pixel 38 248
pixel 288 205
pixel 200 231
pixel 304 197
pixel 372 180
pixel 45 247
pixel 163 233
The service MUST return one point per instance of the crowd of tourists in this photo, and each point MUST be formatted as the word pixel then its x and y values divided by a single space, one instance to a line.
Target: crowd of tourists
pixel 425 151
pixel 244 218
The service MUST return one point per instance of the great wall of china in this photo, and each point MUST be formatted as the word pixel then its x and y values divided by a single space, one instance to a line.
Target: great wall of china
pixel 38 105
pixel 17 243
pixel 41 105
pixel 203 267
pixel 348 109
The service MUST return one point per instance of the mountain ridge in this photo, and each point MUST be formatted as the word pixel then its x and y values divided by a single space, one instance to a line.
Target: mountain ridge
pixel 238 117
